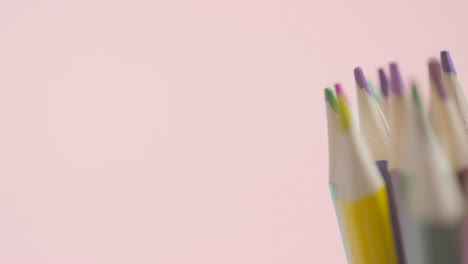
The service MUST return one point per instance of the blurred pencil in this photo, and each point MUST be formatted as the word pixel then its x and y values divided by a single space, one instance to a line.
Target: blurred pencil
pixel 455 88
pixel 384 87
pixel 436 203
pixel 362 196
pixel 373 93
pixel 448 127
pixel 447 122
pixel 332 108
pixel 398 108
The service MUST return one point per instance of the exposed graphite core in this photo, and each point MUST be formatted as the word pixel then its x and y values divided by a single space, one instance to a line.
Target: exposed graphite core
pixel 436 77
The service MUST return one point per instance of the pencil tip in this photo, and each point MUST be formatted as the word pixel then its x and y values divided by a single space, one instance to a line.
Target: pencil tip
pixel 361 80
pixel 396 81
pixel 376 96
pixel 447 64
pixel 331 99
pixel 383 82
pixel 435 75
pixel 416 97
pixel 344 112
pixel 339 89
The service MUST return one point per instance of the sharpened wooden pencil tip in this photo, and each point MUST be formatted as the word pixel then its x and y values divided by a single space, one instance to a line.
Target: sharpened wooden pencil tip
pixel 361 80
pixel 435 75
pixel 331 99
pixel 397 83
pixel 384 84
pixel 344 111
pixel 339 89
pixel 416 97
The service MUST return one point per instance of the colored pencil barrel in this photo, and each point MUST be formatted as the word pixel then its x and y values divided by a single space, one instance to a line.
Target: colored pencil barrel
pixel 368 229
pixel 410 237
pixel 440 244
pixel 464 241
pixel 393 201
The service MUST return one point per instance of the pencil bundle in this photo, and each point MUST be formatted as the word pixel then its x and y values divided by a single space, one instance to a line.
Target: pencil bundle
pixel 398 173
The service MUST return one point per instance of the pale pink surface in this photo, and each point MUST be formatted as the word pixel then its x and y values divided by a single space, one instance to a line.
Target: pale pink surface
pixel 187 131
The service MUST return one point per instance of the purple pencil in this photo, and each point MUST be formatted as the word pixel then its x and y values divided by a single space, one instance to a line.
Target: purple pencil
pixel 454 87
pixel 372 122
pixel 447 122
pixel 448 128
pixel 399 106
pixel 384 90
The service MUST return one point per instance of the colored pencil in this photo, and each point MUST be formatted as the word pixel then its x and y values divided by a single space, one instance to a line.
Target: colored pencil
pixel 399 175
pixel 448 127
pixel 362 196
pixel 455 87
pixel 372 122
pixel 374 130
pixel 384 87
pixel 436 204
pixel 398 180
pixel 374 94
pixel 447 122
pixel 332 109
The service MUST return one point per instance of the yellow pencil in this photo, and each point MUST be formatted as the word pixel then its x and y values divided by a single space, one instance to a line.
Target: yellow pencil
pixel 362 196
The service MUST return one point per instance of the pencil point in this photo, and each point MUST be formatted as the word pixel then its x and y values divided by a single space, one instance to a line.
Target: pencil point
pixel 339 89
pixel 361 80
pixel 435 75
pixel 447 64
pixel 383 82
pixel 416 97
pixel 376 96
pixel 331 99
pixel 344 112
pixel 396 81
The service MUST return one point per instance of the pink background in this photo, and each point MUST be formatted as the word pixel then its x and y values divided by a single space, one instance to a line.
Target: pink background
pixel 187 131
